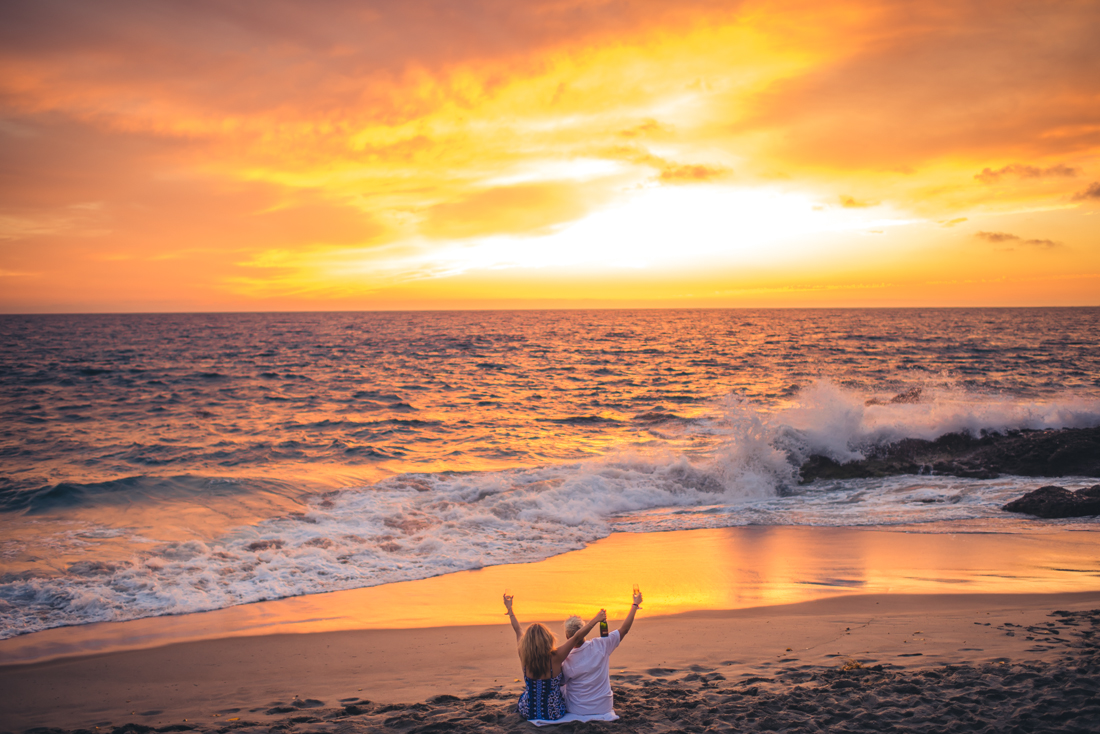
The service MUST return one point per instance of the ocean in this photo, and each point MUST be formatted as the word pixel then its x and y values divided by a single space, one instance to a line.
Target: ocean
pixel 166 464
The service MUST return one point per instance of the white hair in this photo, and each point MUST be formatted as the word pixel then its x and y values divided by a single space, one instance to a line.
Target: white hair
pixel 572 625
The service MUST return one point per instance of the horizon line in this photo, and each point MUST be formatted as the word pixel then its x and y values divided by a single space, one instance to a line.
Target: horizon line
pixel 539 308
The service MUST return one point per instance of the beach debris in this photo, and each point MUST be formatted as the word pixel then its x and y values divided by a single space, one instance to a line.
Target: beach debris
pixel 851 664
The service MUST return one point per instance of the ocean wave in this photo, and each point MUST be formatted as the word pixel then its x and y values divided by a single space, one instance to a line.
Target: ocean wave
pixel 844 424
pixel 419 525
pixel 142 489
pixel 416 525
pixel 408 527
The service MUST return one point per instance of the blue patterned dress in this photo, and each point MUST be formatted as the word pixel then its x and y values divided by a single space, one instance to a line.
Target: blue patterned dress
pixel 542 699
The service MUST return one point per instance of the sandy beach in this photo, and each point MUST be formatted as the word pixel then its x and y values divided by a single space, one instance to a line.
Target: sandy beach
pixel 928 661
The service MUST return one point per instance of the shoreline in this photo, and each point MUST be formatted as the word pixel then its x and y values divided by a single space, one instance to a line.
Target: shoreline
pixel 385 674
pixel 738 623
pixel 680 571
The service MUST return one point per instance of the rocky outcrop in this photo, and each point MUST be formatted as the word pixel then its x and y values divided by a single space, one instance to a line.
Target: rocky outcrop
pixel 1058 502
pixel 1050 453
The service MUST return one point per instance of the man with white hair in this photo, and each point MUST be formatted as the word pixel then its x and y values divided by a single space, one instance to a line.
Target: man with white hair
pixel 588 668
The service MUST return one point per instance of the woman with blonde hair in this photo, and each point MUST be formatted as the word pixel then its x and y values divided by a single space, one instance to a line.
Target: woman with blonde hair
pixel 542 698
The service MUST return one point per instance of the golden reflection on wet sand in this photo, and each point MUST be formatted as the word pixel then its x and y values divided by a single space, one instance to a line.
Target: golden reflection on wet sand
pixel 728 568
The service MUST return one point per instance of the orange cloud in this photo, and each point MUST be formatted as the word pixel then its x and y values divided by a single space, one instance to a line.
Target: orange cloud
pixel 345 151
pixel 919 82
pixel 521 209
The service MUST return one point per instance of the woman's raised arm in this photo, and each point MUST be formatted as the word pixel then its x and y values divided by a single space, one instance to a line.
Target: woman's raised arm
pixel 512 617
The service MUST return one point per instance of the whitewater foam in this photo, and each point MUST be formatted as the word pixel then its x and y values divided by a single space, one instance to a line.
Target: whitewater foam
pixel 416 525
pixel 842 424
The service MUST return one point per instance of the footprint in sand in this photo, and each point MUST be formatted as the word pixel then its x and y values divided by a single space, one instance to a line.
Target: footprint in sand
pixel 661 671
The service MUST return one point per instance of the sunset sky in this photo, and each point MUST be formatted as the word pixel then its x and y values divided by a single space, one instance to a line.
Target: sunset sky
pixel 212 156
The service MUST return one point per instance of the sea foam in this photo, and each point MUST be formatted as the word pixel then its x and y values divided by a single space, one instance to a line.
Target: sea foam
pixel 416 525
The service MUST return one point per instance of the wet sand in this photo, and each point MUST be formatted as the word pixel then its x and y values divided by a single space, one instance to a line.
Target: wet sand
pixel 854 663
pixel 710 569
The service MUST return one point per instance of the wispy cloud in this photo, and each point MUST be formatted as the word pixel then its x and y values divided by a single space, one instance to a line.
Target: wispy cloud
pixel 1020 170
pixel 998 238
pixel 1092 192
pixel 850 202
pixel 673 173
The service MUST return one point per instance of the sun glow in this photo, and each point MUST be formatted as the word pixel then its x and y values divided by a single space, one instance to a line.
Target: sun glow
pixel 650 229
pixel 678 228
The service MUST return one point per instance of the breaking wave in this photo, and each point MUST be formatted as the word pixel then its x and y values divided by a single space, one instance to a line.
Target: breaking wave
pixel 417 525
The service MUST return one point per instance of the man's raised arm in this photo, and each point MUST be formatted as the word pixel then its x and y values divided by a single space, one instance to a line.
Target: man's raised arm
pixel 630 617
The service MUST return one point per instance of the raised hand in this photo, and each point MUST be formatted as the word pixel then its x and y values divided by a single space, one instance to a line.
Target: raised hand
pixel 512 617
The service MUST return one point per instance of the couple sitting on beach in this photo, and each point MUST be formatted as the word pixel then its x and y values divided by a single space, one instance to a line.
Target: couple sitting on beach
pixel 573 679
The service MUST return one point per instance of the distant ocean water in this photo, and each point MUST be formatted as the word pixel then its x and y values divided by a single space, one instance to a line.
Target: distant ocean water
pixel 162 464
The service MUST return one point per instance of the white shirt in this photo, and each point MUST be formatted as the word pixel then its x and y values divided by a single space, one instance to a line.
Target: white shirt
pixel 588 676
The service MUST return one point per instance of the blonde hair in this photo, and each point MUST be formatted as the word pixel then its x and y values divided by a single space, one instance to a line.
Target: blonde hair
pixel 573 625
pixel 535 649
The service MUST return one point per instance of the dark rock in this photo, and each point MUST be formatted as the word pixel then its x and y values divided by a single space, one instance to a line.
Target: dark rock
pixel 909 396
pixel 1053 502
pixel 132 729
pixel 1049 453
pixel 822 467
